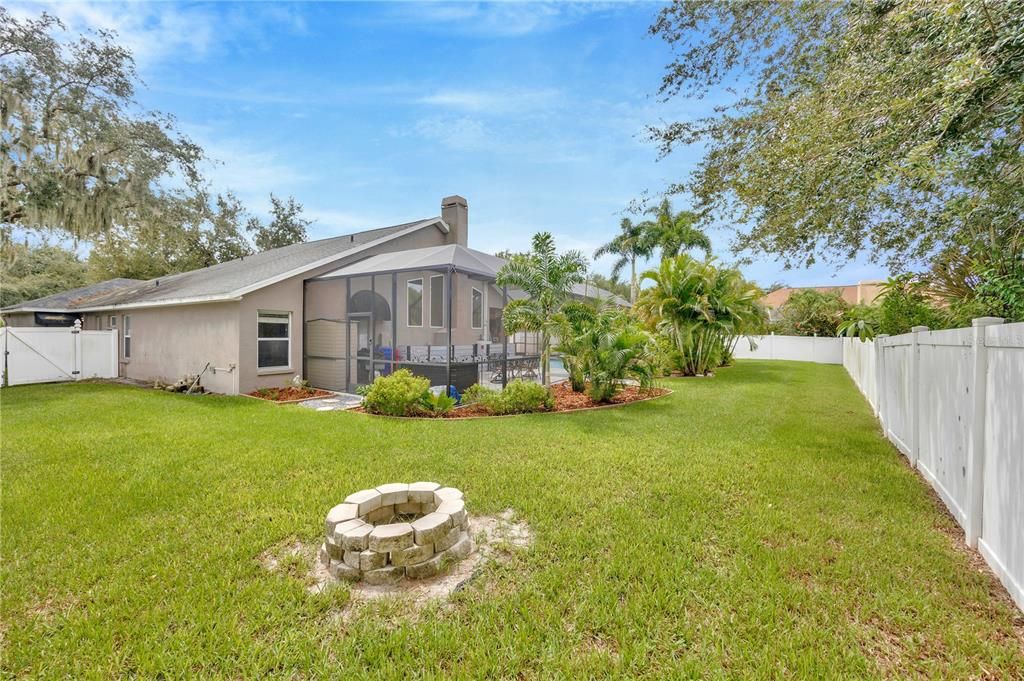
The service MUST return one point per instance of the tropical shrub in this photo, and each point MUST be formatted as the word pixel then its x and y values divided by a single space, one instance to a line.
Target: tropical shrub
pixel 702 309
pixel 860 321
pixel 520 397
pixel 575 319
pixel 478 394
pixel 436 405
pixel 811 313
pixel 400 394
pixel 905 303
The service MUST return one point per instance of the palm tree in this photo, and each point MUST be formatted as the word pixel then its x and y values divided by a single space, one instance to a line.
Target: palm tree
pixel 632 243
pixel 701 308
pixel 547 278
pixel 675 233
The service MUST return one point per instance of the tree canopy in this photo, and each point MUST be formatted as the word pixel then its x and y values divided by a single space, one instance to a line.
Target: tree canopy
pixel 34 271
pixel 77 155
pixel 286 227
pixel 888 127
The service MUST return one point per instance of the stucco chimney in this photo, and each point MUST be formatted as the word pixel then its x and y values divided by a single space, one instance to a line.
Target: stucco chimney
pixel 455 213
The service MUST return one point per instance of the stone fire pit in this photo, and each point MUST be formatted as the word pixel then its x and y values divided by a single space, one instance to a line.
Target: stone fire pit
pixel 396 530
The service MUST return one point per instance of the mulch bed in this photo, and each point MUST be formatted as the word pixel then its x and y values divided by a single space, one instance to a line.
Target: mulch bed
pixel 289 394
pixel 565 400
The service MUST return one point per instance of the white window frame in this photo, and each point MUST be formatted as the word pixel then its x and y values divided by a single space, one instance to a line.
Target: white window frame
pixel 431 310
pixel 276 368
pixel 423 299
pixel 472 296
pixel 126 336
pixel 113 321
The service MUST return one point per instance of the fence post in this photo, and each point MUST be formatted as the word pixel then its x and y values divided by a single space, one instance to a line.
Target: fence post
pixel 976 444
pixel 76 350
pixel 879 378
pixel 915 395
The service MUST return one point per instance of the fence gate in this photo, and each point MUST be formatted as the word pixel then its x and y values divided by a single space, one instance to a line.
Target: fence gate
pixel 46 355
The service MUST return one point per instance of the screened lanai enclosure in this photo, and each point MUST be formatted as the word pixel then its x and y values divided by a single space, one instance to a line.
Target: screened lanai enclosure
pixel 435 311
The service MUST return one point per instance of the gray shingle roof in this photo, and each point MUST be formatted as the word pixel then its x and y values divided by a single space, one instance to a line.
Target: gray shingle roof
pixel 229 278
pixel 68 299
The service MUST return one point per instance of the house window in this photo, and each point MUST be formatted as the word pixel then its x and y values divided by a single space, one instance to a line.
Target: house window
pixel 274 340
pixel 477 312
pixel 414 293
pixel 437 301
pixel 127 335
pixel 113 321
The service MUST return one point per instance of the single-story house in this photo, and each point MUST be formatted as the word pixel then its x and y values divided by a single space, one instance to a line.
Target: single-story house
pixel 338 311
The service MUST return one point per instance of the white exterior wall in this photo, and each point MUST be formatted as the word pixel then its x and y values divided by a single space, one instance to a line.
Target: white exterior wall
pixel 953 403
pixel 820 349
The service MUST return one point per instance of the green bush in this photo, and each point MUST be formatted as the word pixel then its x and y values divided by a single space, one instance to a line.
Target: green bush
pixel 479 394
pixel 437 405
pixel 400 394
pixel 521 397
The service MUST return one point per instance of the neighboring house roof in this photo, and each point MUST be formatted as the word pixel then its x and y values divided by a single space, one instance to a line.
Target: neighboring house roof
pixel 232 279
pixel 862 292
pixel 75 296
pixel 453 256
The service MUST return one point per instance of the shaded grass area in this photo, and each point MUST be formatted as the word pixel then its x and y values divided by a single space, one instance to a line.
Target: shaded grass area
pixel 754 524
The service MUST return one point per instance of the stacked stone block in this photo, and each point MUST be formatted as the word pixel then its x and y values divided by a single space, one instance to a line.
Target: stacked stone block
pixel 396 530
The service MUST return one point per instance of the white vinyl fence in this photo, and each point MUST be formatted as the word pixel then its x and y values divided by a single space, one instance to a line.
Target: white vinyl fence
pixel 820 349
pixel 953 402
pixel 45 355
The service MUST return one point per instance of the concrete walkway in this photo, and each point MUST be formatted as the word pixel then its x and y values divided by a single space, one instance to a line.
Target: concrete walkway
pixel 339 402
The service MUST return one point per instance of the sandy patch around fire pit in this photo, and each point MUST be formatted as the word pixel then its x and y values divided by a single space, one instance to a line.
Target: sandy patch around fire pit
pixel 494 538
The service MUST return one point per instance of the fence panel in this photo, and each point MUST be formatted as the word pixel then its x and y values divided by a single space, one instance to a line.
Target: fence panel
pixel 953 402
pixel 1002 533
pixel 895 386
pixel 946 413
pixel 820 349
pixel 45 355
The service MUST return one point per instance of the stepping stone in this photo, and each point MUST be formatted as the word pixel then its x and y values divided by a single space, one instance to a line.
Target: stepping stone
pixel 325 408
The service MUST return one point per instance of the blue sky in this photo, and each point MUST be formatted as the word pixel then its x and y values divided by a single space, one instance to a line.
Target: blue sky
pixel 369 113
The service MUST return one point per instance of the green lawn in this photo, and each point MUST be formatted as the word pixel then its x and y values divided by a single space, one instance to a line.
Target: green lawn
pixel 750 525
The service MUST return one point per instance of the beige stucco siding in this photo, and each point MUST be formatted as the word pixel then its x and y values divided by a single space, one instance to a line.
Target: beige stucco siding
pixel 171 342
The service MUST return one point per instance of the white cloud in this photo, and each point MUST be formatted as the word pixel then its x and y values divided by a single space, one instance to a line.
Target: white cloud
pixel 151 31
pixel 493 101
pixel 162 31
